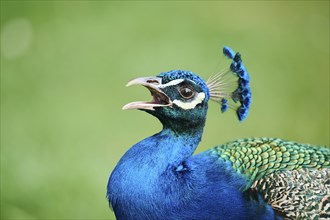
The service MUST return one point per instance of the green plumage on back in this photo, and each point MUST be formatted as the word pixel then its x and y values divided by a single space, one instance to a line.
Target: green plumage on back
pixel 293 178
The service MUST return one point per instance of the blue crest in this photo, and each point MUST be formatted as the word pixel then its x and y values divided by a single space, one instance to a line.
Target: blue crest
pixel 222 88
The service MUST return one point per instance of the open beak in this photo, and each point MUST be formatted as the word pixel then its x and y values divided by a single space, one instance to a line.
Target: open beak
pixel 159 98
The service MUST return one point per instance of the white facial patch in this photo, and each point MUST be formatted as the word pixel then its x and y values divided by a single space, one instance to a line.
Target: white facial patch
pixel 192 104
pixel 171 83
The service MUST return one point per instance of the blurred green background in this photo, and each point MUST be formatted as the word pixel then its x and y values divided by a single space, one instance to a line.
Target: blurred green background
pixel 64 66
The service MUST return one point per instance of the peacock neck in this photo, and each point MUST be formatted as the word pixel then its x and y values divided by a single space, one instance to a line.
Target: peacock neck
pixel 148 165
pixel 183 137
pixel 169 147
pixel 180 143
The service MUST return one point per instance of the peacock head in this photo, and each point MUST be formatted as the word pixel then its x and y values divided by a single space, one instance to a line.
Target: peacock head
pixel 180 96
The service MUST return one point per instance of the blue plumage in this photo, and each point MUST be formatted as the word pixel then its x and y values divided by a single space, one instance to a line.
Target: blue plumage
pixel 228 52
pixel 224 105
pixel 160 178
pixel 242 93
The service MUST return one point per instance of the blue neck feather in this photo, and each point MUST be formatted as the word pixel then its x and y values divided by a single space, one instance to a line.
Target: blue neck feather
pixel 158 178
pixel 138 176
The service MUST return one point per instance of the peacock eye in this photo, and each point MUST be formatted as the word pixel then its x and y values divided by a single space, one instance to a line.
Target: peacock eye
pixel 186 91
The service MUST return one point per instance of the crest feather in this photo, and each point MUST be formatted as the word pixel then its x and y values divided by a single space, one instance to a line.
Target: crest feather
pixel 232 84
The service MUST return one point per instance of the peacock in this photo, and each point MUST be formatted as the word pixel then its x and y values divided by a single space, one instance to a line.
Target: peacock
pixel 252 178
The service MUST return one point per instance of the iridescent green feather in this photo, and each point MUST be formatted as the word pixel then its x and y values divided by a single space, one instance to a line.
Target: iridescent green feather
pixel 256 157
pixel 293 178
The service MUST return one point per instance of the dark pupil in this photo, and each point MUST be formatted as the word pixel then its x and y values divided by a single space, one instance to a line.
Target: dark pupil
pixel 186 92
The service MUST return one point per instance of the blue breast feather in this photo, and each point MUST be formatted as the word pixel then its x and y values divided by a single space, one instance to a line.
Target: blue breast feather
pixel 158 178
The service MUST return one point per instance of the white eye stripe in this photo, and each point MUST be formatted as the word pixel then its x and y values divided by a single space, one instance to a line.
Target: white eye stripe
pixel 190 105
pixel 171 83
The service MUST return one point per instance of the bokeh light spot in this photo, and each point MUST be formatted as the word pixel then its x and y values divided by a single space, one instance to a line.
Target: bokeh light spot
pixel 16 38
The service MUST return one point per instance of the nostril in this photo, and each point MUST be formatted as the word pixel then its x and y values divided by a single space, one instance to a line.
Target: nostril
pixel 155 82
